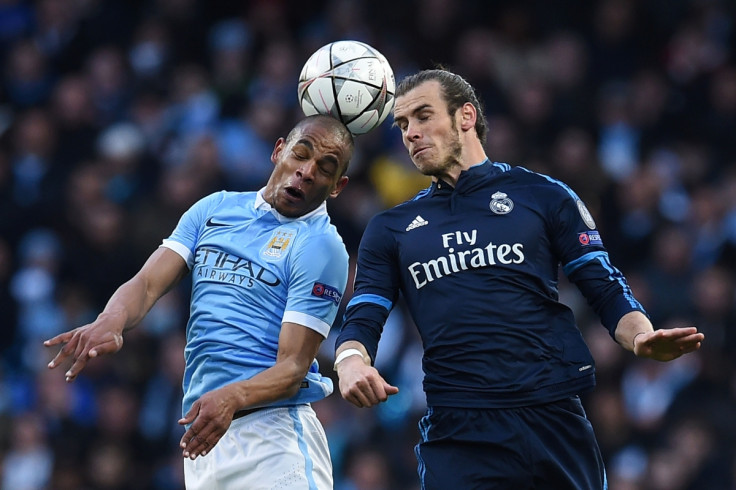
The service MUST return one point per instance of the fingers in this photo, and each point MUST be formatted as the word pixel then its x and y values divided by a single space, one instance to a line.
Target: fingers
pixel 675 333
pixel 195 444
pixel 390 389
pixel 59 339
pixel 669 344
pixel 201 437
pixel 70 345
pixel 80 349
pixel 80 355
pixel 76 368
pixel 109 347
pixel 361 399
pixel 369 391
pixel 191 415
pixel 192 444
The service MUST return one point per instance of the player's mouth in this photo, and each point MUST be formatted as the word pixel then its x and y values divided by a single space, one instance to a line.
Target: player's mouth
pixel 294 193
pixel 419 150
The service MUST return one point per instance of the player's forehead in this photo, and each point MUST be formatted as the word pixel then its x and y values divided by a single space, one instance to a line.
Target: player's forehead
pixel 425 95
pixel 322 139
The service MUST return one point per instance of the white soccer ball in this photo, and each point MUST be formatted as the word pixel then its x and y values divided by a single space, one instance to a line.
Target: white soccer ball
pixel 351 81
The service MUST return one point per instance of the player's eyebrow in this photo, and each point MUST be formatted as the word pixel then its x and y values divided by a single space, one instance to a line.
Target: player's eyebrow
pixel 326 157
pixel 306 143
pixel 413 112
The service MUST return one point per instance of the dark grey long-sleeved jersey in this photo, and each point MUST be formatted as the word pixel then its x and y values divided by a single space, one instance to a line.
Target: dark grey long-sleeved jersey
pixel 478 268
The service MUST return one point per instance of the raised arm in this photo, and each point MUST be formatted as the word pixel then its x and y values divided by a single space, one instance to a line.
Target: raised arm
pixel 125 309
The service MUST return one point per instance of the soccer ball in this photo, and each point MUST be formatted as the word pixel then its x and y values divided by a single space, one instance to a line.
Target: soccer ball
pixel 349 80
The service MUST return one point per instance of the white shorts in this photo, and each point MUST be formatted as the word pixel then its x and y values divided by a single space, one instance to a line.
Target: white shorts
pixel 272 448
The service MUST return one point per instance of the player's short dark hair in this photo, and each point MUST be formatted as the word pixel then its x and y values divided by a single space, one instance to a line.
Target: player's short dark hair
pixel 335 125
pixel 456 91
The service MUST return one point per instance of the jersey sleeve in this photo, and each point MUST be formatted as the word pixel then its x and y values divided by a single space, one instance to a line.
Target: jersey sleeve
pixel 317 279
pixel 183 240
pixel 586 263
pixel 375 291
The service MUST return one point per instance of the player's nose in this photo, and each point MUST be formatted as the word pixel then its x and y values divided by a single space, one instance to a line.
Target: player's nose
pixel 412 132
pixel 307 170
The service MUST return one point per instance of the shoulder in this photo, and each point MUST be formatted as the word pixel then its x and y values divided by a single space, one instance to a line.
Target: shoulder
pixel 419 201
pixel 226 197
pixel 320 248
pixel 319 232
pixel 543 183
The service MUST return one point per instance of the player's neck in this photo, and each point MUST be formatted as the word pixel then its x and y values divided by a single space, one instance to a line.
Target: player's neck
pixel 472 154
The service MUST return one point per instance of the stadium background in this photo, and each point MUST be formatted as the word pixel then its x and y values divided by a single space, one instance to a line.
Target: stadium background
pixel 116 115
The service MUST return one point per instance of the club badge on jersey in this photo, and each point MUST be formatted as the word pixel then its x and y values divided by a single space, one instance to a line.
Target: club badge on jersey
pixel 278 243
pixel 500 203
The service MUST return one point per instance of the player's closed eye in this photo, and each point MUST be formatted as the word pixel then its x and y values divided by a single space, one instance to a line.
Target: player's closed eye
pixel 327 169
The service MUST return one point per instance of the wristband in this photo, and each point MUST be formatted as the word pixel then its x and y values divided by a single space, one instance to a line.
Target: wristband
pixel 345 354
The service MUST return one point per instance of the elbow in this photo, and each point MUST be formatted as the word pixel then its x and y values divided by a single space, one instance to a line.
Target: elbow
pixel 293 377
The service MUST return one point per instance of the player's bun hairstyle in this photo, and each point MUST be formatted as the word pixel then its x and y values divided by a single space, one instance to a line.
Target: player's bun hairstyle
pixel 455 91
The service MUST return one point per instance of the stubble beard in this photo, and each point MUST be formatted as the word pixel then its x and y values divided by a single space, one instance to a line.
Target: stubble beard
pixel 451 161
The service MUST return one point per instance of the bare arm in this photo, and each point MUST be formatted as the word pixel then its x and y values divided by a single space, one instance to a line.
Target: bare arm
pixel 635 333
pixel 211 415
pixel 360 383
pixel 125 309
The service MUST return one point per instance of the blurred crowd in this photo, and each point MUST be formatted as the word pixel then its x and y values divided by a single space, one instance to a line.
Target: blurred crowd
pixel 117 115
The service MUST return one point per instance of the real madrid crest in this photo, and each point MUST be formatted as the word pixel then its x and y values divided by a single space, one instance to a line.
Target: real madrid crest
pixel 500 203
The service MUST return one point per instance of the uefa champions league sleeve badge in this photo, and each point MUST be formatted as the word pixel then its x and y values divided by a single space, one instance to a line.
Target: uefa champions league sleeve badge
pixel 585 214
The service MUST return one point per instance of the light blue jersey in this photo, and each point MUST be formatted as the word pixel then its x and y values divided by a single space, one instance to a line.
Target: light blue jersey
pixel 253 269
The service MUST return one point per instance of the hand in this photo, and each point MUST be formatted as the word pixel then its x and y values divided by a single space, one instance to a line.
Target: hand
pixel 667 344
pixel 361 384
pixel 103 336
pixel 210 417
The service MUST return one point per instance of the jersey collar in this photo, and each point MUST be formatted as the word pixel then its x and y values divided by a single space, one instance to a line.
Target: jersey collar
pixel 261 205
pixel 467 179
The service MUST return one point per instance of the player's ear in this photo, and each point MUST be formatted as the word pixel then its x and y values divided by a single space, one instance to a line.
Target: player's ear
pixel 339 186
pixel 277 149
pixel 468 116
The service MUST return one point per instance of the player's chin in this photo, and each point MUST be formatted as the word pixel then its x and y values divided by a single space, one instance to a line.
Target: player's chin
pixel 290 205
pixel 424 167
pixel 422 160
pixel 290 211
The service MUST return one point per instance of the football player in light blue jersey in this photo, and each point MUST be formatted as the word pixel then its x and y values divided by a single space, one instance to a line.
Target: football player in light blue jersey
pixel 268 272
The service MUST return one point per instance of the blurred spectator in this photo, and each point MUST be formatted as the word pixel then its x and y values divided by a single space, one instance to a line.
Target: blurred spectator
pixel 107 73
pixel 34 289
pixel 367 469
pixel 150 55
pixel 28 80
pixel 75 118
pixel 246 144
pixel 37 177
pixel 670 276
pixel 161 404
pixel 16 18
pixel 28 463
pixel 230 42
pixel 8 304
